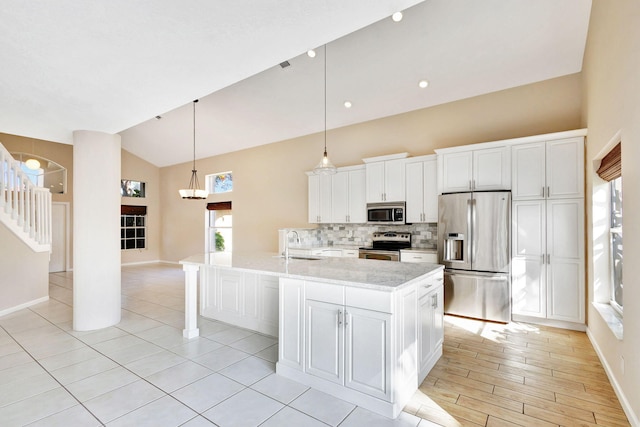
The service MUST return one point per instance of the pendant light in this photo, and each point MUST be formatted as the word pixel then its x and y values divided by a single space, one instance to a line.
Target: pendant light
pixel 194 191
pixel 325 167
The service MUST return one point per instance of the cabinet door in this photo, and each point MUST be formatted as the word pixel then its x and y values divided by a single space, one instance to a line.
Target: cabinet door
pixel 357 196
pixel 368 352
pixel 314 199
pixel 324 339
pixel 565 271
pixel 430 185
pixel 425 331
pixel 375 182
pixel 394 180
pixel 414 192
pixel 492 169
pixel 456 171
pixel 325 198
pixel 229 285
pixel 291 323
pixel 528 275
pixel 269 293
pixel 250 295
pixel 437 304
pixel 340 197
pixel 565 168
pixel 528 171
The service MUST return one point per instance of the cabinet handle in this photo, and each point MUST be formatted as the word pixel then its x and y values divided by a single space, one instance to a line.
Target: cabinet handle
pixel 427 286
pixel 346 318
pixel 543 258
pixel 548 192
pixel 474 184
pixel 434 301
pixel 339 317
pixel 548 258
pixel 543 191
pixel 470 187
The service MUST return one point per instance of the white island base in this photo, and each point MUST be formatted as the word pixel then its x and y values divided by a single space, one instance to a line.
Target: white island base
pixel 365 331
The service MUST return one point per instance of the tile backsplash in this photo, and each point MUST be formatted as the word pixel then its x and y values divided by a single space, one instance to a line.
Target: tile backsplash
pixel 423 236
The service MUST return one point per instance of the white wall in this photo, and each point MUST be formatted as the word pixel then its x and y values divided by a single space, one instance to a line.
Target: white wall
pixel 612 104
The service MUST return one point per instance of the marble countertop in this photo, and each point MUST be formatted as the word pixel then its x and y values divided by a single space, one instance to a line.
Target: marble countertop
pixel 365 273
pixel 313 247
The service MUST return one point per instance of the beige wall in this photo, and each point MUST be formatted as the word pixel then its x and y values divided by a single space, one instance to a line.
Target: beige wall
pixel 270 187
pixel 25 273
pixel 612 104
pixel 137 169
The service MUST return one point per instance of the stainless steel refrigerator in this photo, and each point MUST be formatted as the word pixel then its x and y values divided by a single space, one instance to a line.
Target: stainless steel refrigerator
pixel 474 247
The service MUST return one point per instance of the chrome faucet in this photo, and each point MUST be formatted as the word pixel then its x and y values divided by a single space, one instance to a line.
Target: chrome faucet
pixel 286 242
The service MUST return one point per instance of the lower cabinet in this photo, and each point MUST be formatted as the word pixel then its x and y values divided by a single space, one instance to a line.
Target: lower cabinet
pixel 243 299
pixel 372 348
pixel 430 326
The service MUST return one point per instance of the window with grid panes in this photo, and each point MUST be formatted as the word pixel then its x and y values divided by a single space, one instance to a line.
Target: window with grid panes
pixel 133 227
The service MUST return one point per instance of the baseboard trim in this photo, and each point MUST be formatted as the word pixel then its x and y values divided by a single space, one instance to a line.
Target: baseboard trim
pixel 581 327
pixel 23 306
pixel 624 402
pixel 155 261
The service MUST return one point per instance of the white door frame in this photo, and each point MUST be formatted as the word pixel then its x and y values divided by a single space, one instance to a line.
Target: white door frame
pixel 67 237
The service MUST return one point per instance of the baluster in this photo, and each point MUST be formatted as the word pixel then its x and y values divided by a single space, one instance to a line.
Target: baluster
pixel 3 179
pixel 32 211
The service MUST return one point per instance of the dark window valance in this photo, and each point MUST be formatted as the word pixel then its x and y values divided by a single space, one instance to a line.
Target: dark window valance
pixel 219 206
pixel 611 164
pixel 133 210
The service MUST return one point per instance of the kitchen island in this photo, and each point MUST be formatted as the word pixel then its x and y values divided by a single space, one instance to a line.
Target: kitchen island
pixel 365 331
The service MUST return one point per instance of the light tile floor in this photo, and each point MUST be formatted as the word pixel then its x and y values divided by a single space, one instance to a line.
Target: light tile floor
pixel 142 372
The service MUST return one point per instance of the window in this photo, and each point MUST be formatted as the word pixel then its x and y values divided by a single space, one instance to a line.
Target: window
pixel 130 188
pixel 133 227
pixel 615 231
pixel 219 183
pixel 219 227
pixel 611 170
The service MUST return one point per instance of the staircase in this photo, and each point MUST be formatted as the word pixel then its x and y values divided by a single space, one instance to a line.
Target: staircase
pixel 25 209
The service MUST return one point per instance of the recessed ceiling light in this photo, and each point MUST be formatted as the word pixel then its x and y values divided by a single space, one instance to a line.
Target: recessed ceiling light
pixel 397 16
pixel 311 53
pixel 423 83
pixel 347 104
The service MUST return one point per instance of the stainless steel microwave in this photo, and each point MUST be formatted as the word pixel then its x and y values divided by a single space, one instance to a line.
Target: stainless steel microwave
pixel 385 213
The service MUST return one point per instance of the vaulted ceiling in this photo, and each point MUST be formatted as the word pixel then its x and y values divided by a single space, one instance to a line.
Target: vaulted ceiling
pixel 113 66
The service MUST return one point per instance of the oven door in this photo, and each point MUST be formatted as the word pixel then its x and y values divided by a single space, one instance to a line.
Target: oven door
pixel 381 255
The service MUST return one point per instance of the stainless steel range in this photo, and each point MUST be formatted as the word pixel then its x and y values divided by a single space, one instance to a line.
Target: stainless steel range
pixel 386 245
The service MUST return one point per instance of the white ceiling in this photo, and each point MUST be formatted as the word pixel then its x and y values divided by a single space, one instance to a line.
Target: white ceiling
pixel 111 65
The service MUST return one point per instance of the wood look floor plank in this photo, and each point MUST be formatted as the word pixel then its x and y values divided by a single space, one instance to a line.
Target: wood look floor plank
pixel 556 418
pixel 517 374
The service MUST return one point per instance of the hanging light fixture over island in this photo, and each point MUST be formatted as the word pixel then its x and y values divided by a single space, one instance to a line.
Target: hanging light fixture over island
pixel 194 192
pixel 325 167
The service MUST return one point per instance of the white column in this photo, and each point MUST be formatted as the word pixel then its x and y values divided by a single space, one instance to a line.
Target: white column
pixel 96 230
pixel 191 301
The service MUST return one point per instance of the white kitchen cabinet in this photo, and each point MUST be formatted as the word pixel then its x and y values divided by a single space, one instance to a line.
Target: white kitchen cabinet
pixel 412 255
pixel 292 324
pixel 430 325
pixel 548 259
pixel 476 170
pixel 344 344
pixel 385 181
pixel 348 202
pixel 548 169
pixel 244 299
pixel 319 198
pixel 421 190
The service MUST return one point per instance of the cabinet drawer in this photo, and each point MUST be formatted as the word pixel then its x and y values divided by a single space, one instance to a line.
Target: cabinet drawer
pixel 350 253
pixel 409 256
pixel 430 284
pixel 324 292
pixel 368 299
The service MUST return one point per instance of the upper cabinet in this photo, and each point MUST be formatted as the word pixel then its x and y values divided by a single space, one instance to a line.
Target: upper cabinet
pixel 319 198
pixel 548 170
pixel 421 189
pixel 348 204
pixel 385 178
pixel 476 170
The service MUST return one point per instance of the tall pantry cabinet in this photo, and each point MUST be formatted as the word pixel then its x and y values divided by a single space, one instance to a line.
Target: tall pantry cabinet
pixel 548 232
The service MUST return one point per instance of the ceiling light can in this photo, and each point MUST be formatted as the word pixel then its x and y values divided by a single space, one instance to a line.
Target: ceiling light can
pixel 347 104
pixel 311 53
pixel 397 16
pixel 423 84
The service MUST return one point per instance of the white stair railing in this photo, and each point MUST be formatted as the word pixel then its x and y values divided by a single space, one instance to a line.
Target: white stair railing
pixel 24 207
